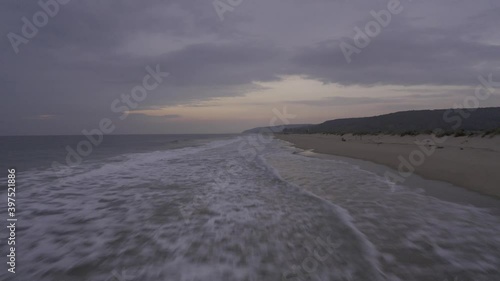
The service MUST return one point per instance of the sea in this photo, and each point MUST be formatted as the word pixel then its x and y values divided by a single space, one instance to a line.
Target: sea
pixel 229 208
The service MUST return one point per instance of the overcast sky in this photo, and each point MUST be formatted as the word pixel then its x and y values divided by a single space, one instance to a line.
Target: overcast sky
pixel 228 74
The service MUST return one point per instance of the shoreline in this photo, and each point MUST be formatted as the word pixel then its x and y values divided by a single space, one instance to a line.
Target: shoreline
pixel 471 163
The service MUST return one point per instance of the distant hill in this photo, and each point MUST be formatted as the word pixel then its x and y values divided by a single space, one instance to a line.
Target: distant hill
pixel 410 122
pixel 274 129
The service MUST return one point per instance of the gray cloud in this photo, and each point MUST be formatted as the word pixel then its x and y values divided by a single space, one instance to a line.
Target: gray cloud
pixel 403 55
pixel 92 51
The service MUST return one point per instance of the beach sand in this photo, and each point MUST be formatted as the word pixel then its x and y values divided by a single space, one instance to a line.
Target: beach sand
pixel 469 162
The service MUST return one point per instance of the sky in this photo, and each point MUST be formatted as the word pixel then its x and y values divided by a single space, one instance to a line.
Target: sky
pixel 228 65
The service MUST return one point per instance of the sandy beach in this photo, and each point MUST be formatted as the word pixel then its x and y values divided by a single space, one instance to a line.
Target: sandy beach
pixel 468 162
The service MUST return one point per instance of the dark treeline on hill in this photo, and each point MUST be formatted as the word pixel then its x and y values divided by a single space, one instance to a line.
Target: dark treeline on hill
pixel 447 121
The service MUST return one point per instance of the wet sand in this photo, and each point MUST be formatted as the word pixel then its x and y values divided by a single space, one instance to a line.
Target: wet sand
pixel 468 162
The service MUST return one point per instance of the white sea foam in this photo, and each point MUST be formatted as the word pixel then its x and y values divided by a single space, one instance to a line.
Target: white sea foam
pixel 423 237
pixel 189 214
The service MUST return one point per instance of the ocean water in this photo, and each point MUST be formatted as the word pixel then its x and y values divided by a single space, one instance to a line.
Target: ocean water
pixel 220 208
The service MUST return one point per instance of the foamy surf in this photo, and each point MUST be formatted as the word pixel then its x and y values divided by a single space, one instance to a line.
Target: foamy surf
pixel 210 213
pixel 419 237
